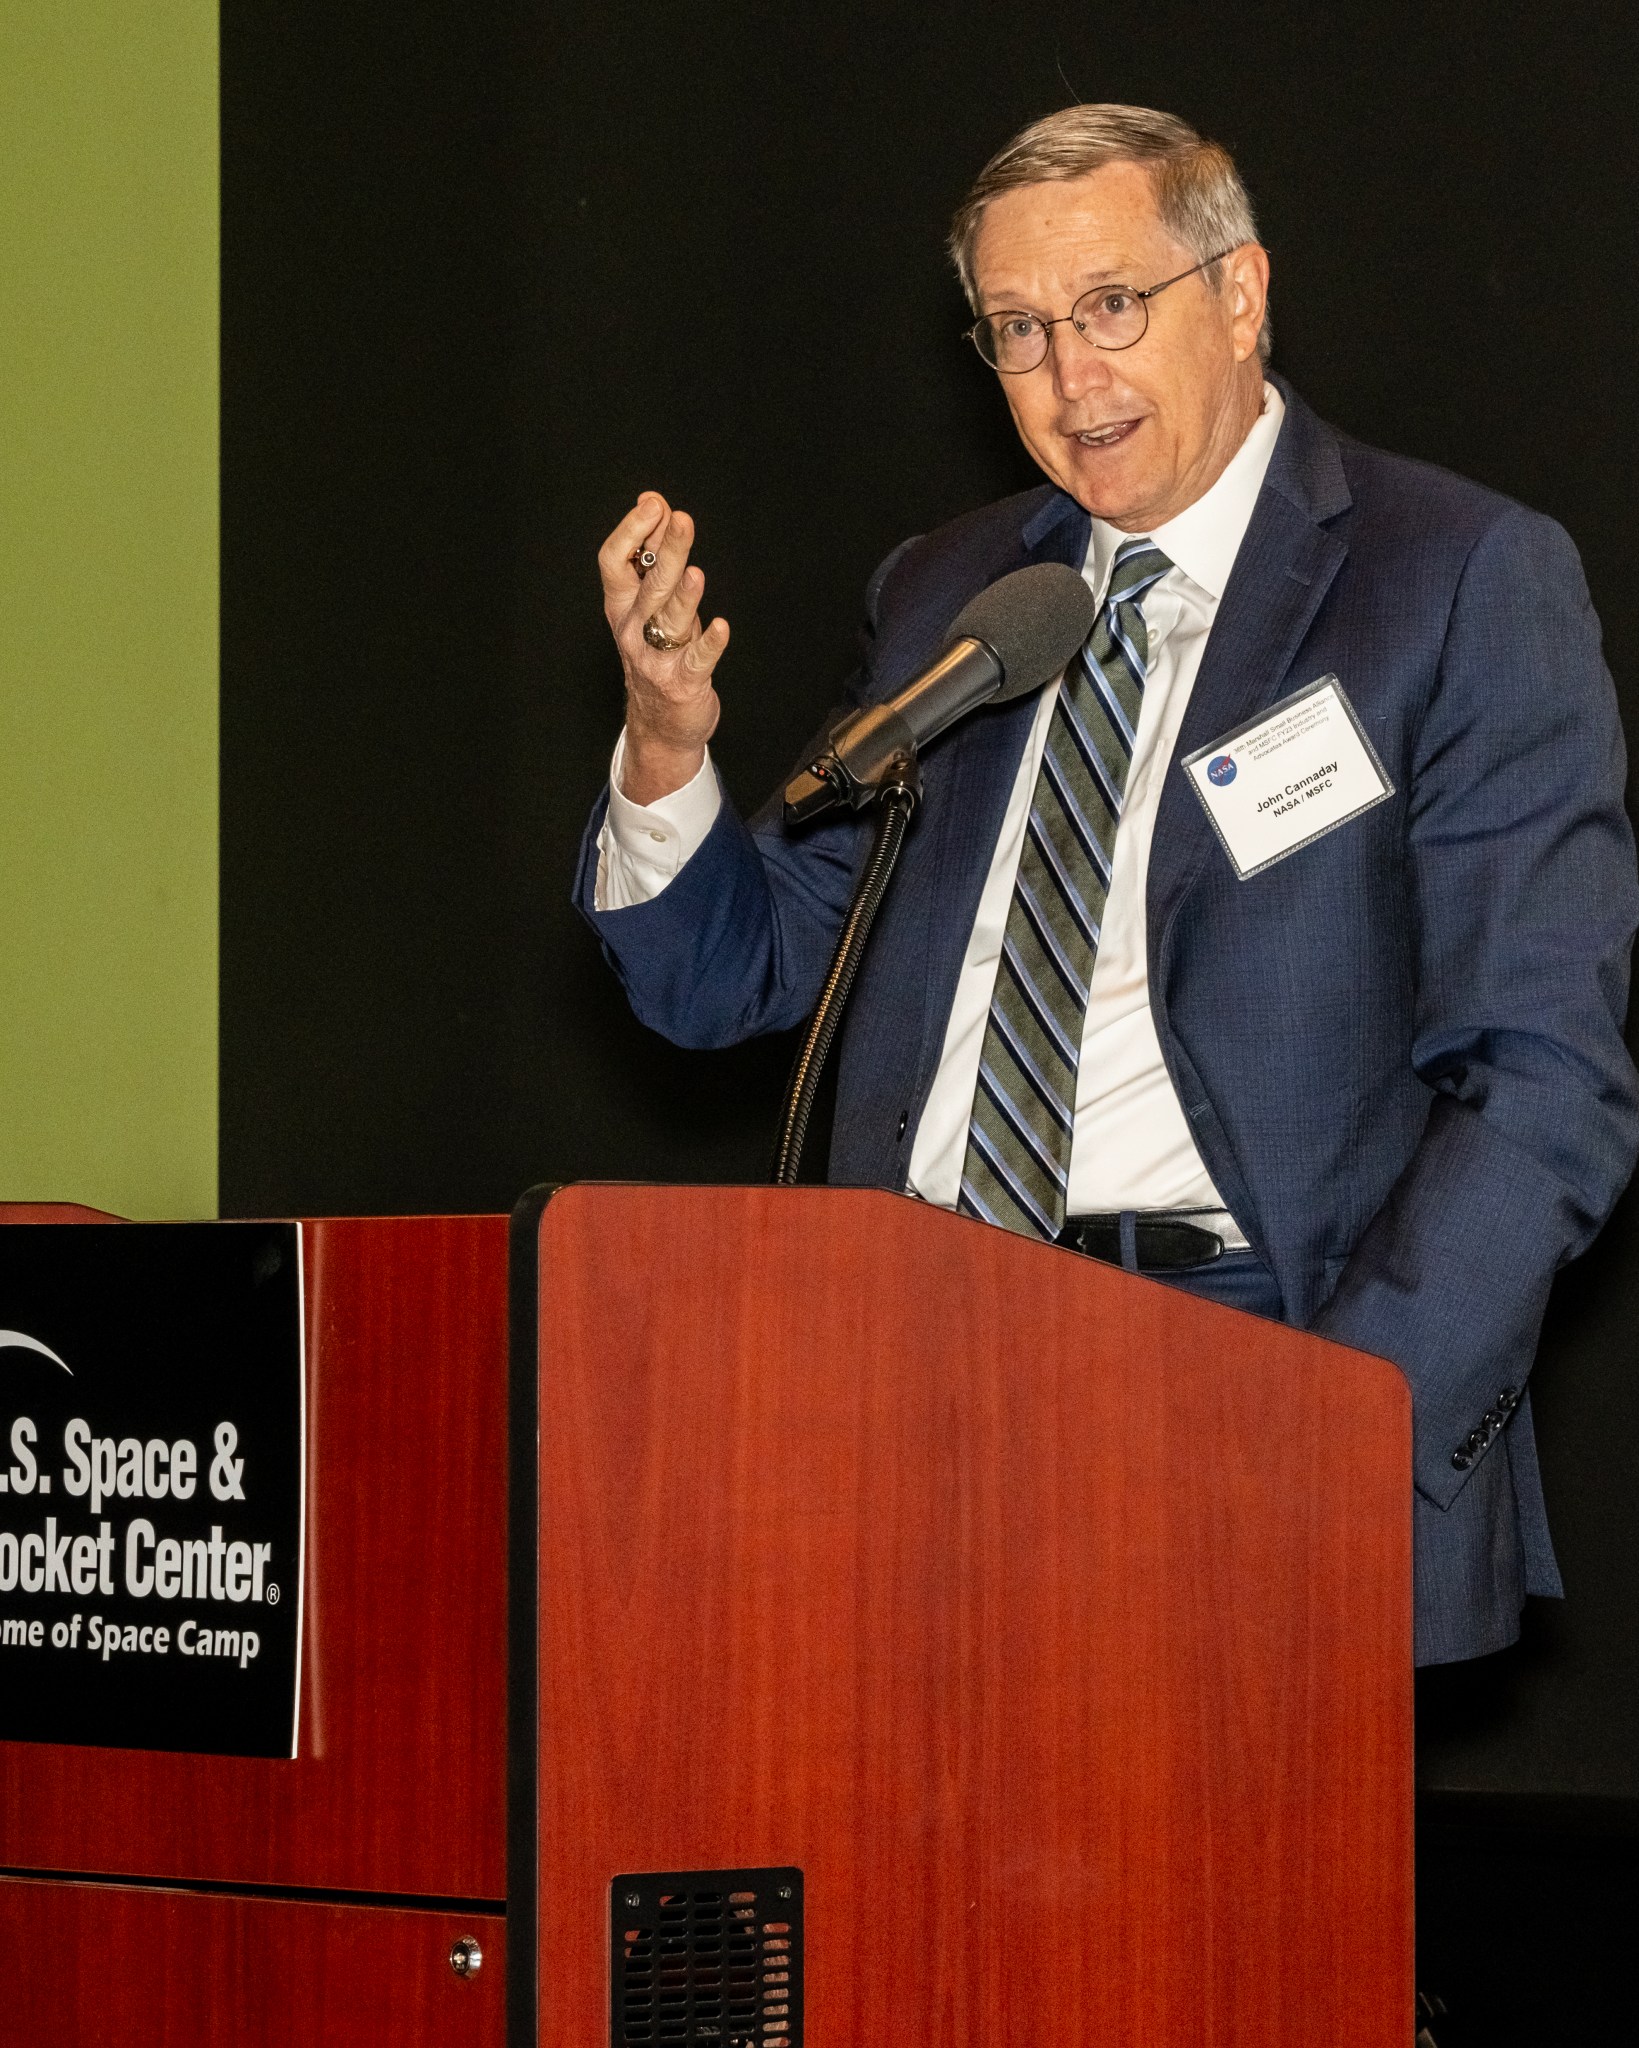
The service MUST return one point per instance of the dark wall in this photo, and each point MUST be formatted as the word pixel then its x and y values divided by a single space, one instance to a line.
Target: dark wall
pixel 489 270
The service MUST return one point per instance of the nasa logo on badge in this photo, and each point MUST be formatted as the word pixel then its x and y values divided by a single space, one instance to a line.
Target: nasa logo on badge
pixel 1222 770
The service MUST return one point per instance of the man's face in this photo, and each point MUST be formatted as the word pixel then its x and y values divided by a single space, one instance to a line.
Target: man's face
pixel 1133 435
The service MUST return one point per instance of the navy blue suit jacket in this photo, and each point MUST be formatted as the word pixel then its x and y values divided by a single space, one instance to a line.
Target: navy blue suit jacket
pixel 1399 1049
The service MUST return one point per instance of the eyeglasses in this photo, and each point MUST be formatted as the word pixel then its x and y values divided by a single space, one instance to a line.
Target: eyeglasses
pixel 1110 316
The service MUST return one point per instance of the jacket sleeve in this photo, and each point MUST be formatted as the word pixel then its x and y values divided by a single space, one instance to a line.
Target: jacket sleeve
pixel 738 942
pixel 1524 900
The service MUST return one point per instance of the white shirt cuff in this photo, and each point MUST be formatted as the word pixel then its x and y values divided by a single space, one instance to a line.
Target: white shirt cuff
pixel 641 847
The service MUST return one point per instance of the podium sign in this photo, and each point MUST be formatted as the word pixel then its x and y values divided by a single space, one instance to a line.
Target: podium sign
pixel 151 1486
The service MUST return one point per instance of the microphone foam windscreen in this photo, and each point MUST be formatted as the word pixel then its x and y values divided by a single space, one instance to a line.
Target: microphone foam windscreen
pixel 1032 621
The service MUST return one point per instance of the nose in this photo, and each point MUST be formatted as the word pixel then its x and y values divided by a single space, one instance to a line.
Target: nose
pixel 1077 366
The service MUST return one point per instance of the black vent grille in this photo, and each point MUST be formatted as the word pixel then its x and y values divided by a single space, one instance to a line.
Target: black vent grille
pixel 706 1959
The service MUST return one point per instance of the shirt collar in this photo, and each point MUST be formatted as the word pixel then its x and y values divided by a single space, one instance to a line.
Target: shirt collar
pixel 1204 539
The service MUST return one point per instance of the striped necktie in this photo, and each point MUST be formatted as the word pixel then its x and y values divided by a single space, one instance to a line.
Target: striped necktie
pixel 1017 1167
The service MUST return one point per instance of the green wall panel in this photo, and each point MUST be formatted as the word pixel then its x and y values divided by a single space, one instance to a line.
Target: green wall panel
pixel 108 581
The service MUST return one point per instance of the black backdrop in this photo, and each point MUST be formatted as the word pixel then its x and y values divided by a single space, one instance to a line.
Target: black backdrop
pixel 489 269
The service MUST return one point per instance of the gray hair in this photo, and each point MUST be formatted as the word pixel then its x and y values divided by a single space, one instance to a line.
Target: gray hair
pixel 1198 191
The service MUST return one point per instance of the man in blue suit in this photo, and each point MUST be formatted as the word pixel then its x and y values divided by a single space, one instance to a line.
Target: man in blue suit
pixel 1367 1075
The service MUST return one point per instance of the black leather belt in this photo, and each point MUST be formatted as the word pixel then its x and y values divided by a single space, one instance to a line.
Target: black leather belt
pixel 1163 1244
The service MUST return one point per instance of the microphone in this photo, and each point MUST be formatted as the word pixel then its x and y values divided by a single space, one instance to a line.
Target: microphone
pixel 1009 640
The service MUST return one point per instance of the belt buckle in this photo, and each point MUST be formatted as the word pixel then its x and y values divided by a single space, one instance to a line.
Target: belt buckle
pixel 1162 1243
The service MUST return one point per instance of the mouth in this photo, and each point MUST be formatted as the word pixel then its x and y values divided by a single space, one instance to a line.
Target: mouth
pixel 1110 436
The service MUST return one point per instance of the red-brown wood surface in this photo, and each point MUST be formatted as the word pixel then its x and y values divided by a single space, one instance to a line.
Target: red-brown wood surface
pixel 1057 1625
pixel 109 1966
pixel 399 1785
pixel 53 1212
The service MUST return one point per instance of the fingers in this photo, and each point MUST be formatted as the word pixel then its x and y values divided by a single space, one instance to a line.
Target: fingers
pixel 675 614
pixel 705 650
pixel 669 591
pixel 671 703
pixel 668 595
pixel 641 528
pixel 664 581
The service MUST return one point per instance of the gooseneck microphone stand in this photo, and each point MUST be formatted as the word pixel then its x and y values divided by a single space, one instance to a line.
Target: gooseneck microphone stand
pixel 898 793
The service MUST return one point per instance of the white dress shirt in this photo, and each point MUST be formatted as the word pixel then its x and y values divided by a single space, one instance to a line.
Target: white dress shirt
pixel 1132 1147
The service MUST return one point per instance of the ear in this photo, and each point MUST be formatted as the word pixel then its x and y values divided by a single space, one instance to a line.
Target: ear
pixel 1246 286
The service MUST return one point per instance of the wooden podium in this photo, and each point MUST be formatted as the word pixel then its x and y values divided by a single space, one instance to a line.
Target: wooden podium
pixel 1029 1643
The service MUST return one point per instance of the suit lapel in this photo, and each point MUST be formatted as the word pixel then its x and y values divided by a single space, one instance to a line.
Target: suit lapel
pixel 1285 567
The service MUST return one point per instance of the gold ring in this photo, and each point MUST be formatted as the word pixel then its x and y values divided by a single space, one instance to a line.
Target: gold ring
pixel 660 640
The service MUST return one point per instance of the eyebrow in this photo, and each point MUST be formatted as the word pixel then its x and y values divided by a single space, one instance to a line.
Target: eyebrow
pixel 1089 281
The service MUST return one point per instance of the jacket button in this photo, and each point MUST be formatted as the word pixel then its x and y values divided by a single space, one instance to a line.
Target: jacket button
pixel 1461 1460
pixel 1508 1400
pixel 904 1121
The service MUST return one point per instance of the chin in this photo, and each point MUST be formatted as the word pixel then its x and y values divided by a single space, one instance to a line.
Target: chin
pixel 1108 491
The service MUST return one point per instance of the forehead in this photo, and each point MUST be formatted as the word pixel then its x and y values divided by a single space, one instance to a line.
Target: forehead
pixel 1070 231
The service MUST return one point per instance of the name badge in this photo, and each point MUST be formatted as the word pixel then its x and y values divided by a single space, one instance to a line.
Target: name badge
pixel 1288 777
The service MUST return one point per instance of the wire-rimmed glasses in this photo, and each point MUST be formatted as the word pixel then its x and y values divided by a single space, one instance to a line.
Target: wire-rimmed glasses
pixel 1109 316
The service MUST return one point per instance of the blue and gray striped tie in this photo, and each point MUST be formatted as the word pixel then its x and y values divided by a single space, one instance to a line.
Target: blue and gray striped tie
pixel 1017 1166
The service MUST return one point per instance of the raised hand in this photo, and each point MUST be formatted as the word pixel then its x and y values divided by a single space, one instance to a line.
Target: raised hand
pixel 668 656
